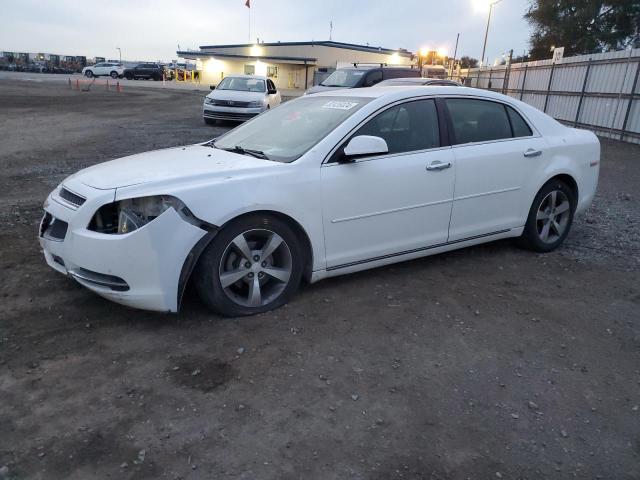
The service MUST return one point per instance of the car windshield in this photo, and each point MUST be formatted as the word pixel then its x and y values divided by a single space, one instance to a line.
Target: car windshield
pixel 285 133
pixel 343 78
pixel 242 84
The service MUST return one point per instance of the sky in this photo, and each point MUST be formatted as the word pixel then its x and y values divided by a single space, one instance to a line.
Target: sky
pixel 152 30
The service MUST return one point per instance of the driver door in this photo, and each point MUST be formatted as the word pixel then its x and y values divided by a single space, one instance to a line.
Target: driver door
pixel 392 204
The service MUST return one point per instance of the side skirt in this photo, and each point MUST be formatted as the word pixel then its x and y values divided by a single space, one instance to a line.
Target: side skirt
pixel 413 254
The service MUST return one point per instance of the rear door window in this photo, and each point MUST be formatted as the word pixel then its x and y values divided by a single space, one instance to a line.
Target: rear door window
pixel 406 127
pixel 478 120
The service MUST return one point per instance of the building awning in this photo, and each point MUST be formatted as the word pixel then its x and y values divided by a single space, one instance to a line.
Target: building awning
pixel 275 59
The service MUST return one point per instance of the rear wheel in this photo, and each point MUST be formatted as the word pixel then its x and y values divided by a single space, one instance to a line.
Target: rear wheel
pixel 114 75
pixel 128 76
pixel 88 74
pixel 253 265
pixel 550 217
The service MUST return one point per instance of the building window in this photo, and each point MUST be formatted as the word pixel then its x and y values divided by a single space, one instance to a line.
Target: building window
pixel 249 69
pixel 272 72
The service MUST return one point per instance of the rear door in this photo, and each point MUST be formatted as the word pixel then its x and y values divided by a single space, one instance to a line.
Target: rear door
pixel 392 204
pixel 496 153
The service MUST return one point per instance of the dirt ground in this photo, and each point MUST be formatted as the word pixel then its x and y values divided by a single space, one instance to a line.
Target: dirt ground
pixel 490 362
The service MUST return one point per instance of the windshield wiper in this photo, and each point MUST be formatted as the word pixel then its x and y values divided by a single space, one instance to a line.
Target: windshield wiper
pixel 323 85
pixel 247 151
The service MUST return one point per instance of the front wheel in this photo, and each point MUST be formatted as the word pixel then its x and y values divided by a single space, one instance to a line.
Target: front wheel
pixel 253 265
pixel 114 75
pixel 550 217
pixel 88 74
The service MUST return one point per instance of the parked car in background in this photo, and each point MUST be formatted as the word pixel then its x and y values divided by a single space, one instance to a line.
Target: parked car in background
pixel 414 81
pixel 434 71
pixel 360 76
pixel 323 185
pixel 239 98
pixel 113 70
pixel 144 71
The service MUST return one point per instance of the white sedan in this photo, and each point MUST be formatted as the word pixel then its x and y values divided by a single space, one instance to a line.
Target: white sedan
pixel 240 98
pixel 321 186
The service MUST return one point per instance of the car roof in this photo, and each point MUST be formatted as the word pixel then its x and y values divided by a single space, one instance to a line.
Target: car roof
pixel 418 80
pixel 384 67
pixel 386 95
pixel 401 91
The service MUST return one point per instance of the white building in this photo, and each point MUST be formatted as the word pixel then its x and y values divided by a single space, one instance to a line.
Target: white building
pixel 291 65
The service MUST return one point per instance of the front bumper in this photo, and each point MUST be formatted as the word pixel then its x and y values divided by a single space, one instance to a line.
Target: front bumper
pixel 215 112
pixel 140 269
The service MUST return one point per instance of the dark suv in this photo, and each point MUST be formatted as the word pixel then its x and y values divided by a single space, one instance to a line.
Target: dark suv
pixel 145 71
pixel 362 76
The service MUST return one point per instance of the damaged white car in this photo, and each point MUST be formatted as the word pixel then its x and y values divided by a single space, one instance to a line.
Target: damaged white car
pixel 320 186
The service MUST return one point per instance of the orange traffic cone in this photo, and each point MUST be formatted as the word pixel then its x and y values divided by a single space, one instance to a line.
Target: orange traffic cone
pixel 77 84
pixel 118 87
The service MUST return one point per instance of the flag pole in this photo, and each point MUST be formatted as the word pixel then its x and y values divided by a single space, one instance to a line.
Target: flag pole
pixel 249 6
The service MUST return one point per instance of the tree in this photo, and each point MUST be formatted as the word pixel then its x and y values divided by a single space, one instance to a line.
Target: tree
pixel 587 26
pixel 468 62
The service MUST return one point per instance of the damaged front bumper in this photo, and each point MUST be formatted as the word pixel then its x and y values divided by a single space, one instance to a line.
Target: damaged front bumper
pixel 142 269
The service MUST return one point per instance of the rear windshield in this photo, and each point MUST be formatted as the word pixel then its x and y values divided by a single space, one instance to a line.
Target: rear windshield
pixel 344 78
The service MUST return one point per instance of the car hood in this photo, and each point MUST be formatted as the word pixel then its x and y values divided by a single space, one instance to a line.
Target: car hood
pixel 236 95
pixel 322 88
pixel 171 164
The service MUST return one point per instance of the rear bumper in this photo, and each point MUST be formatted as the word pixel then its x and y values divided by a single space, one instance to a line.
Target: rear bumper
pixel 140 269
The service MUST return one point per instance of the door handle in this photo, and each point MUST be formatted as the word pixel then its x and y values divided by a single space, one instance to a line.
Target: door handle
pixel 532 153
pixel 437 165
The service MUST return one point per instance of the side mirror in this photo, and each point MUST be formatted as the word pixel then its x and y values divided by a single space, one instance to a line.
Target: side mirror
pixel 272 91
pixel 365 145
pixel 212 87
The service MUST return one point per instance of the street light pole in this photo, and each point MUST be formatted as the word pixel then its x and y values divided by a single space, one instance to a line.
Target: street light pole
pixel 486 32
pixel 120 53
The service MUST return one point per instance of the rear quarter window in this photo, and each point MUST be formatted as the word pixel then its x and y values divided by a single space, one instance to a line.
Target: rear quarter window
pixel 519 126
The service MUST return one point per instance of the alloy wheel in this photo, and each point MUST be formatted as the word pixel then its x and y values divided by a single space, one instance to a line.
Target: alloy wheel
pixel 255 268
pixel 552 217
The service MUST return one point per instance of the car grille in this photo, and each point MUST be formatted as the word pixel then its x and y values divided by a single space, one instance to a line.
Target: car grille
pixel 53 228
pixel 228 115
pixel 71 197
pixel 230 103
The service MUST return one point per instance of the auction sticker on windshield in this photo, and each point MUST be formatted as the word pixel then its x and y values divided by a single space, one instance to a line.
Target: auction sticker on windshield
pixel 336 105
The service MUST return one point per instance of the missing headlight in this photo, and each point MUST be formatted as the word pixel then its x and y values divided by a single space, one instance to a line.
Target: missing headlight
pixel 131 214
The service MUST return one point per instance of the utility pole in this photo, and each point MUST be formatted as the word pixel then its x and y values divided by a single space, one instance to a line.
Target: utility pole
pixel 486 32
pixel 331 30
pixel 119 53
pixel 455 52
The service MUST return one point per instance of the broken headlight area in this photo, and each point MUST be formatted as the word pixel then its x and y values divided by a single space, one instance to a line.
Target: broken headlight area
pixel 126 216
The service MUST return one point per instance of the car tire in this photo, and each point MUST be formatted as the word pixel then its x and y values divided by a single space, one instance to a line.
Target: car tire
pixel 128 76
pixel 114 75
pixel 156 77
pixel 264 277
pixel 88 74
pixel 209 121
pixel 550 217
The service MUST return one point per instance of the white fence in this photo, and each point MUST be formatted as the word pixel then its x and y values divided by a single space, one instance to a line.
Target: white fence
pixel 599 92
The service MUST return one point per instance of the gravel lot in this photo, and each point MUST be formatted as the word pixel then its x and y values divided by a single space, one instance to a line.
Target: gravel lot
pixel 490 362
